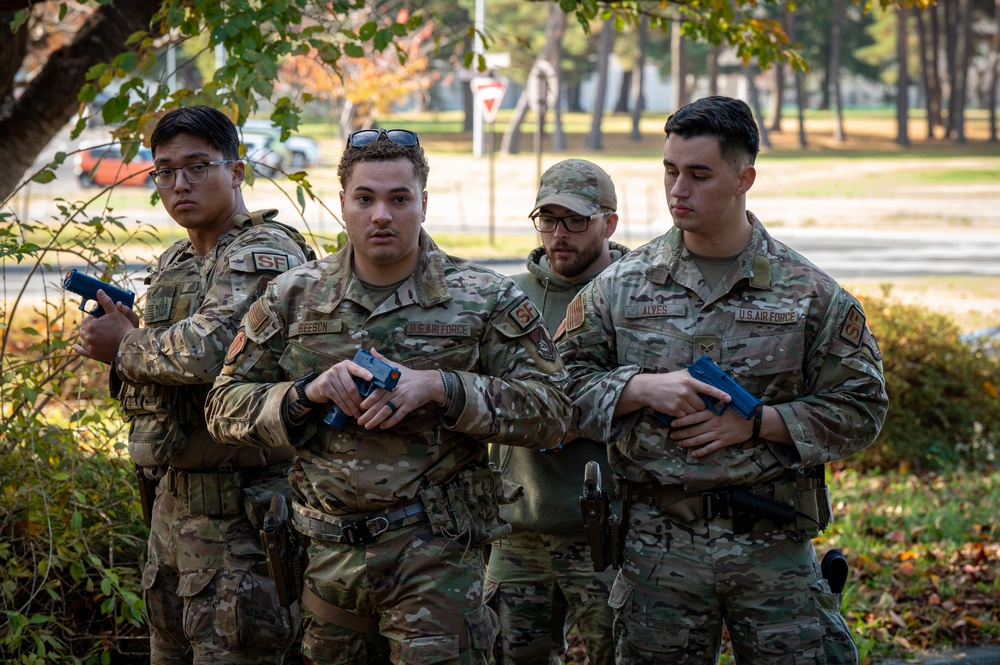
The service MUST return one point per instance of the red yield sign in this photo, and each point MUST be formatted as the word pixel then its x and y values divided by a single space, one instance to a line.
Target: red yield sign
pixel 488 93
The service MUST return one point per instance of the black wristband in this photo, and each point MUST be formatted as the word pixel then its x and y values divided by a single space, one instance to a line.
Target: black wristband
pixel 295 412
pixel 300 390
pixel 758 416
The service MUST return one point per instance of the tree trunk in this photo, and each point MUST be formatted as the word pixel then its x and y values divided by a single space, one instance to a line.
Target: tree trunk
pixel 838 125
pixel 573 98
pixel 593 141
pixel 935 61
pixel 750 72
pixel 951 57
pixel 800 93
pixel 678 64
pixel 49 101
pixel 778 99
pixel 713 71
pixel 555 28
pixel 925 66
pixel 962 78
pixel 903 82
pixel 624 92
pixel 638 104
pixel 994 74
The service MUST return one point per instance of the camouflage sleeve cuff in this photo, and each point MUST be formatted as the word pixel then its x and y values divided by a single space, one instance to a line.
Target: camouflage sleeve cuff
pixel 597 421
pixel 453 414
pixel 802 453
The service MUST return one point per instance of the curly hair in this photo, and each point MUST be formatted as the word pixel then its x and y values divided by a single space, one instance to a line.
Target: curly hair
pixel 383 150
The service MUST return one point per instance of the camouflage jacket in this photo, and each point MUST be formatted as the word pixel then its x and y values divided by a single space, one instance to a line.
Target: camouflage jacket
pixel 781 327
pixel 193 307
pixel 450 314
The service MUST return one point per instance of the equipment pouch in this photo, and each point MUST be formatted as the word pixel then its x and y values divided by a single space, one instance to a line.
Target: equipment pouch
pixel 482 491
pixel 436 508
pixel 214 494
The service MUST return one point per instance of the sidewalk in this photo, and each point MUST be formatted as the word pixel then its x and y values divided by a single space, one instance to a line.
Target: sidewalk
pixel 986 655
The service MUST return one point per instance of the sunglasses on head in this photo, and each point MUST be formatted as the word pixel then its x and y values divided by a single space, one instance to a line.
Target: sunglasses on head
pixel 403 137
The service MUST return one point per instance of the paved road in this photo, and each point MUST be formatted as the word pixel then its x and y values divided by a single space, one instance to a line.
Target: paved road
pixel 844 254
pixel 850 254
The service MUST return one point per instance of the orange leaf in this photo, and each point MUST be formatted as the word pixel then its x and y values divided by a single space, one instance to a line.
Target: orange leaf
pixel 907 555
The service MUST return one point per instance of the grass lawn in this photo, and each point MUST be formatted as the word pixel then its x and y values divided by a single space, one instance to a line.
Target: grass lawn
pixel 924 554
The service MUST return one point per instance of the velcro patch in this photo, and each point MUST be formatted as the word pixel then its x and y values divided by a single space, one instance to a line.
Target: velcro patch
pixel 543 343
pixel 871 344
pixel 316 327
pixel 655 310
pixel 431 329
pixel 574 315
pixel 854 326
pixel 270 262
pixel 236 347
pixel 756 315
pixel 256 317
pixel 523 314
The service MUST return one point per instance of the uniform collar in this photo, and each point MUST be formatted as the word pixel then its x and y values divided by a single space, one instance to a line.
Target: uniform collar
pixel 426 287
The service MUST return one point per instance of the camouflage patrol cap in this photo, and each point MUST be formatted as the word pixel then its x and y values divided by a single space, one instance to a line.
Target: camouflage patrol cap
pixel 577 185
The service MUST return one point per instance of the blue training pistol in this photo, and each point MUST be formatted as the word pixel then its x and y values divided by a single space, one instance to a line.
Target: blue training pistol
pixel 87 287
pixel 384 376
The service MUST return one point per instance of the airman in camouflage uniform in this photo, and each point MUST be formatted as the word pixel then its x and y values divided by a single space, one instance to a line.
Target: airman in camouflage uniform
pixel 541 580
pixel 208 595
pixel 719 285
pixel 397 503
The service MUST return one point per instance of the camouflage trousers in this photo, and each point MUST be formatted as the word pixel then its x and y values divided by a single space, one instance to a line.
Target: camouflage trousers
pixel 425 592
pixel 540 585
pixel 681 582
pixel 209 598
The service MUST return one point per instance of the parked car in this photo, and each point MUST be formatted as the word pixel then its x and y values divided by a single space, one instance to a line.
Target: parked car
pixel 304 151
pixel 102 166
pixel 266 154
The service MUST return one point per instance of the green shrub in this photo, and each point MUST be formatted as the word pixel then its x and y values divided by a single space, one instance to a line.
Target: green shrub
pixel 71 537
pixel 943 404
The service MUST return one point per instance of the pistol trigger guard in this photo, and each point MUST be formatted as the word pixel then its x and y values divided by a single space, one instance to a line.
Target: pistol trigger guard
pixel 710 403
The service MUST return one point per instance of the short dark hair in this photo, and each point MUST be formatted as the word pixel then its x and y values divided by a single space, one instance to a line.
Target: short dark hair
pixel 729 120
pixel 206 123
pixel 383 150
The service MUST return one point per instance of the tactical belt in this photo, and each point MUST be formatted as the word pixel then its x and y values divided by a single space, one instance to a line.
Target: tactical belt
pixel 354 529
pixel 688 507
pixel 217 493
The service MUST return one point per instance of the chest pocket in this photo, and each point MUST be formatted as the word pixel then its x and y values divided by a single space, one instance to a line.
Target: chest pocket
pixel 768 365
pixel 176 294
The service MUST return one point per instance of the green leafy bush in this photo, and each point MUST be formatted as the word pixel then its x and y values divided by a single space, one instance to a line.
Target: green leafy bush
pixel 944 409
pixel 71 536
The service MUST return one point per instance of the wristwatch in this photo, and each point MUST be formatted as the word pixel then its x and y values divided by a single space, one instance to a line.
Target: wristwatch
pixel 296 412
pixel 299 386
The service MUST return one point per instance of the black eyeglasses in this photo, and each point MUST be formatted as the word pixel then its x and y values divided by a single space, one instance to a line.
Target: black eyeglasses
pixel 194 172
pixel 545 223
pixel 403 137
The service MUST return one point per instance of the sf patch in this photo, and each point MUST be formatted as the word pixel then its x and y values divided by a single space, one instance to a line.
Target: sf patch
pixel 854 327
pixel 523 314
pixel 236 348
pixel 270 262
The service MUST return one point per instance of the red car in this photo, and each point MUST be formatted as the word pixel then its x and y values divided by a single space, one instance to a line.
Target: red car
pixel 102 166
